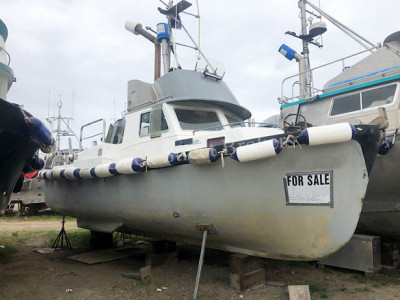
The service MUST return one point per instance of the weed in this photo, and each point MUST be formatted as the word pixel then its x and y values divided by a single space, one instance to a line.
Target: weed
pixel 378 284
pixel 360 278
pixel 323 295
pixel 320 290
pixel 6 252
pixel 79 237
pixel 316 288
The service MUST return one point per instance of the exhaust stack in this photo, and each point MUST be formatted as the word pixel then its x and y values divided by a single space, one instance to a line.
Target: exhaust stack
pixel 137 29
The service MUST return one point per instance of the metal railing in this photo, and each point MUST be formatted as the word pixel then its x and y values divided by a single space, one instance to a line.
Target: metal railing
pixel 249 123
pixel 81 138
pixel 314 91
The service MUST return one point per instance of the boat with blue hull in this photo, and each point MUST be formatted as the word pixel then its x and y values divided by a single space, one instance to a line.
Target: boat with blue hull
pixel 21 134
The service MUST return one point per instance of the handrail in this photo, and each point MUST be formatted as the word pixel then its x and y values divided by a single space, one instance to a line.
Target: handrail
pixel 283 99
pixel 229 124
pixel 97 134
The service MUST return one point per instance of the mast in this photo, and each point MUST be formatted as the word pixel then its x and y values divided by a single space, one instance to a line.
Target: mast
pixel 305 73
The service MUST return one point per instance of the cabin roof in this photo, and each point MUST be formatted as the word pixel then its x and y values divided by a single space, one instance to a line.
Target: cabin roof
pixel 183 86
pixel 379 63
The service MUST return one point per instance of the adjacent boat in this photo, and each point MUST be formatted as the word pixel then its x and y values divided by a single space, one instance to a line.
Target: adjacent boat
pixel 21 134
pixel 31 197
pixel 183 157
pixel 365 92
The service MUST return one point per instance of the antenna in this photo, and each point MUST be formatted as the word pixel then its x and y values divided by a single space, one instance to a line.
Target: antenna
pixel 48 103
pixel 114 110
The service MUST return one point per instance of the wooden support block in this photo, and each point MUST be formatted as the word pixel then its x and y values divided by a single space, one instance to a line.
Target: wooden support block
pixel 242 264
pixel 251 280
pixel 299 292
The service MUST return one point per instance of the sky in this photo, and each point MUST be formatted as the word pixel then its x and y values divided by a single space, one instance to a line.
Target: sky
pixel 60 48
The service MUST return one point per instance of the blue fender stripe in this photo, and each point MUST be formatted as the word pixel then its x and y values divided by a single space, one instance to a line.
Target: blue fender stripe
pixel 112 169
pixel 76 173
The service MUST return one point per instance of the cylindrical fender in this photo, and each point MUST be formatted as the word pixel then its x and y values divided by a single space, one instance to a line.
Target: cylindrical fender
pixel 327 134
pixel 203 156
pixel 257 151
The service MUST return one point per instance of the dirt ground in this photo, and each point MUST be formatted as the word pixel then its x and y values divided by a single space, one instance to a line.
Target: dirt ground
pixel 26 274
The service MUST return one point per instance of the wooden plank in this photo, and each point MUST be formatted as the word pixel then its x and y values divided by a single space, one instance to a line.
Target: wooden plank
pixel 299 292
pixel 102 256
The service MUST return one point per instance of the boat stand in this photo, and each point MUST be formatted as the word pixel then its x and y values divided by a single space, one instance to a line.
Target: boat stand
pixel 61 237
pixel 362 253
pixel 205 229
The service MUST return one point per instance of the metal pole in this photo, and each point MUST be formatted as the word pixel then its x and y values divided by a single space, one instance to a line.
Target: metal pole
pixel 157 61
pixel 165 55
pixel 305 69
pixel 195 44
pixel 201 260
pixel 341 26
pixel 157 54
pixel 59 105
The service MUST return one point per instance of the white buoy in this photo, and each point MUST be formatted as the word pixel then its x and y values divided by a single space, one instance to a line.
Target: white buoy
pixel 129 166
pixel 57 174
pixel 258 151
pixel 327 134
pixel 158 161
pixel 203 156
pixel 69 173
pixel 85 173
pixel 103 170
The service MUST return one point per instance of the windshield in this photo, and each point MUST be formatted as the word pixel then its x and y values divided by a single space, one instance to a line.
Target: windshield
pixel 198 119
pixel 234 121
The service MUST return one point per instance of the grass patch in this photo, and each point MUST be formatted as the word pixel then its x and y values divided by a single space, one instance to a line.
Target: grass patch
pixel 43 238
pixel 343 289
pixel 7 252
pixel 78 237
pixel 319 289
pixel 48 216
pixel 378 284
pixel 360 278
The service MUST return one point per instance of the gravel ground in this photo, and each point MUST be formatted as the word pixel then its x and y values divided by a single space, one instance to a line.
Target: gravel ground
pixel 27 274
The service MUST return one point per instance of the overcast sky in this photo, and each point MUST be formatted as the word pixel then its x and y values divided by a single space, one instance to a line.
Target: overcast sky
pixel 82 46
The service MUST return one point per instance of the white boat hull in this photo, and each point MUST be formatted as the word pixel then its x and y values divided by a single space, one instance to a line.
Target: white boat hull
pixel 245 202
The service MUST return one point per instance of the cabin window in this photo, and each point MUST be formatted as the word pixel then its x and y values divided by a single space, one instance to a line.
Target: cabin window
pixel 234 121
pixel 144 129
pixel 198 119
pixel 116 132
pixel 363 100
pixel 378 97
pixel 345 104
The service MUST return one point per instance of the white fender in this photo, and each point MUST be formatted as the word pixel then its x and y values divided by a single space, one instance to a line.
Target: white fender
pixel 158 161
pixel 257 151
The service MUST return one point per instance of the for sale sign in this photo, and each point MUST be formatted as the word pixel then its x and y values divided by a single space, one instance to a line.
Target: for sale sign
pixel 309 188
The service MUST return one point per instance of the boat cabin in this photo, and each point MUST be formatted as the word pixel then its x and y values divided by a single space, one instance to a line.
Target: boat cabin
pixel 183 110
pixel 357 94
